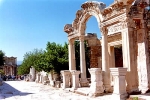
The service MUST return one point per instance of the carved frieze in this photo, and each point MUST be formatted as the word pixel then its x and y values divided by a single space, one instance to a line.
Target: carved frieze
pixel 114 10
pixel 114 28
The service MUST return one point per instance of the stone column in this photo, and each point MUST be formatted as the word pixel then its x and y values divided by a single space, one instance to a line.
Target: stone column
pixel 66 78
pixel 119 92
pixel 72 62
pixel 143 60
pixel 96 87
pixel 105 61
pixel 75 79
pixel 11 70
pixel 84 81
pixel 127 56
pixel 111 62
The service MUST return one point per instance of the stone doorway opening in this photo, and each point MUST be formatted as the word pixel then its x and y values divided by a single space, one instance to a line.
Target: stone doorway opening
pixel 118 56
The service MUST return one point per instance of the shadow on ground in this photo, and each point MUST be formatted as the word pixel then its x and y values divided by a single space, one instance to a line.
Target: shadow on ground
pixel 7 91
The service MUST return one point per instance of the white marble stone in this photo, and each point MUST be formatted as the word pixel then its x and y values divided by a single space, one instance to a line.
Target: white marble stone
pixel 37 78
pixel 66 78
pixel 32 74
pixel 119 92
pixel 83 81
pixel 75 79
pixel 96 87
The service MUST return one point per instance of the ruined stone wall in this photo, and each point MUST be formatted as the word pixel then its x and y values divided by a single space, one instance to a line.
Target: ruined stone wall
pixel 95 53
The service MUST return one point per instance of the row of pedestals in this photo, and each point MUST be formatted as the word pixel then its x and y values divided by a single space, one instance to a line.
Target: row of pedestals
pixel 96 87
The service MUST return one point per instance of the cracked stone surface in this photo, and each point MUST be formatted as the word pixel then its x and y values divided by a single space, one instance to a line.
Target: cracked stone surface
pixel 21 90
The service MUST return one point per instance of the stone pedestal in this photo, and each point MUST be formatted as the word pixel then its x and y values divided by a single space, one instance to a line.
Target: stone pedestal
pixel 75 79
pixel 96 87
pixel 41 76
pixel 119 92
pixel 37 78
pixel 45 78
pixel 66 78
pixel 32 74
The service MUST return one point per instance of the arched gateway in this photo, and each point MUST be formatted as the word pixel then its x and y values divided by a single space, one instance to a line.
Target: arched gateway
pixel 121 24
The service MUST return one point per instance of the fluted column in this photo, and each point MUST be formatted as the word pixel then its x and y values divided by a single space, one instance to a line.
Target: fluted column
pixel 82 62
pixel 72 63
pixel 105 61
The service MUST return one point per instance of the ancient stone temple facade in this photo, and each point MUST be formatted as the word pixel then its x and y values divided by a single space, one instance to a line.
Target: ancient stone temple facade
pixel 122 52
pixel 10 65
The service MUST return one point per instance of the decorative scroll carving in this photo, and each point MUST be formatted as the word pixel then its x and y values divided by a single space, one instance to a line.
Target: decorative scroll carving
pixel 68 28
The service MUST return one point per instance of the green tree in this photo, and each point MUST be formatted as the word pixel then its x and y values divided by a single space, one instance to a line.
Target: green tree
pixel 2 54
pixel 30 59
pixel 56 57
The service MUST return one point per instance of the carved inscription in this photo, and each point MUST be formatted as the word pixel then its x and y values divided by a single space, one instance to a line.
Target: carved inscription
pixel 142 62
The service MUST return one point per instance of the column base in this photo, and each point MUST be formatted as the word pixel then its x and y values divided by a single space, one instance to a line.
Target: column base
pixel 119 96
pixel 95 94
pixel 96 91
pixel 108 88
pixel 144 90
pixel 84 83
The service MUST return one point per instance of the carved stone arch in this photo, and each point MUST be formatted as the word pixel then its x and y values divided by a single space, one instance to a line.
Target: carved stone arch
pixel 85 18
pixel 89 8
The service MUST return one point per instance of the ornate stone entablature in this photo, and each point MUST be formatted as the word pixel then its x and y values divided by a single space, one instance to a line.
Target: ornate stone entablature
pixel 113 10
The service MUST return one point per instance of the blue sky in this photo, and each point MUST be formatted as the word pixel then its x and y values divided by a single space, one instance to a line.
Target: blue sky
pixel 29 24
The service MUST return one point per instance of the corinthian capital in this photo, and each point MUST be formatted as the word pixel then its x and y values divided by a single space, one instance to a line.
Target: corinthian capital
pixel 81 38
pixel 71 41
pixel 104 30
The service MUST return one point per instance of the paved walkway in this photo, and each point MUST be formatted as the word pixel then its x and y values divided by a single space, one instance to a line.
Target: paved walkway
pixel 21 90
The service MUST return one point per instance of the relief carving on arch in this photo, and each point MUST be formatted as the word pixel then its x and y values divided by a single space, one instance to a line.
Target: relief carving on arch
pixel 87 7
